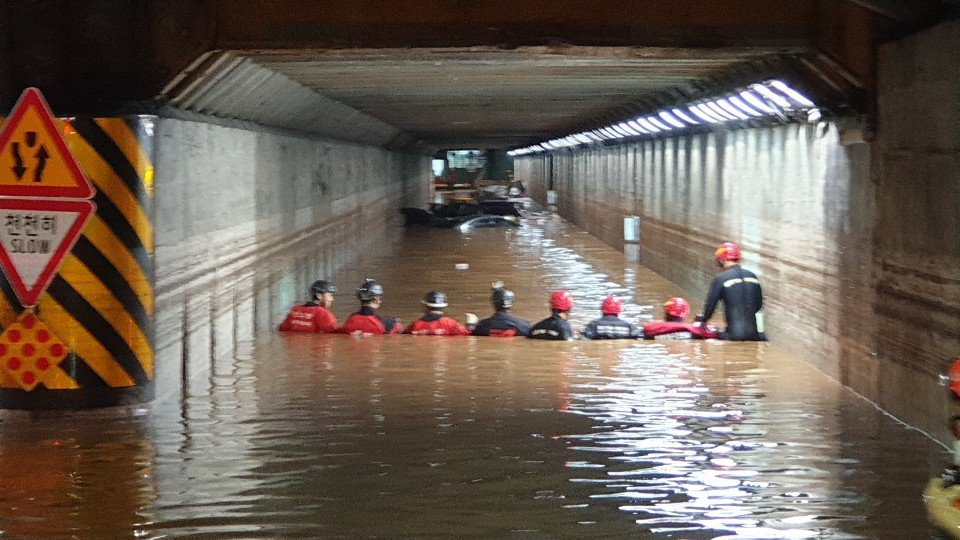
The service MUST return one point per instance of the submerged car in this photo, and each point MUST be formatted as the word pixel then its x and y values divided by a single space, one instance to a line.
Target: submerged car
pixel 455 213
pixel 484 222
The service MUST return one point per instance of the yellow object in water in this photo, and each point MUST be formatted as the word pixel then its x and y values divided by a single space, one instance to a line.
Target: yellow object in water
pixel 941 502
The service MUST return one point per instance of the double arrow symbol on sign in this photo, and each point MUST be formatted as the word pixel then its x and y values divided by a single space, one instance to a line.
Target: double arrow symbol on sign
pixel 41 155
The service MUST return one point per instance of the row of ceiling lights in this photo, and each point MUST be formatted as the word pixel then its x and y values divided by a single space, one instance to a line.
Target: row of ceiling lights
pixel 768 100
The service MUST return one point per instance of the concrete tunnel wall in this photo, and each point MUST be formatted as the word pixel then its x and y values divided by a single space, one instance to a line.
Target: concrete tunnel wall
pixel 245 220
pixel 858 246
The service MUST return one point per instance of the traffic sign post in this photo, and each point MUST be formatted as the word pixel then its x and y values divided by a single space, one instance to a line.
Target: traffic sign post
pixel 35 236
pixel 39 227
pixel 34 158
pixel 93 346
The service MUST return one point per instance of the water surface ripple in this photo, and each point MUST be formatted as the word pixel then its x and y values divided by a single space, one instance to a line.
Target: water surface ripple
pixel 336 436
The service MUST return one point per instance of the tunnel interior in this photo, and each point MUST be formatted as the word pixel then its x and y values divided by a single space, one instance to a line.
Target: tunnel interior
pixel 279 145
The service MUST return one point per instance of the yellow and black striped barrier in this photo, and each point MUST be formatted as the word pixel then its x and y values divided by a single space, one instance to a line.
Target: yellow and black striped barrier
pixel 100 304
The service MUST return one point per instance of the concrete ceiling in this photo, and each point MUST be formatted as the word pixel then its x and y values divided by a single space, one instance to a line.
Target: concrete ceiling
pixel 490 98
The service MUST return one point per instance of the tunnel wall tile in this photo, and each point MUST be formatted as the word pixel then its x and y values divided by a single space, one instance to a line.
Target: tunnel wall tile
pixel 246 220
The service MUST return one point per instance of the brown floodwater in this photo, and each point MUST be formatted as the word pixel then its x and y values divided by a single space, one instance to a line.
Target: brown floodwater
pixel 339 436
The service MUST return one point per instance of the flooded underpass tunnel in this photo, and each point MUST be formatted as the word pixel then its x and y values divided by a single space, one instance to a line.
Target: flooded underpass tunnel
pixel 176 176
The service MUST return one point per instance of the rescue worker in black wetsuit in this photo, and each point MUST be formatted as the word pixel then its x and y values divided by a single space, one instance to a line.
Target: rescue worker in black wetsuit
pixel 555 326
pixel 610 326
pixel 368 320
pixel 502 323
pixel 741 294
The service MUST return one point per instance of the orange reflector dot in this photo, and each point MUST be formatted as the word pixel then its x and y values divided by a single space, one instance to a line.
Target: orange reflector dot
pixel 29 351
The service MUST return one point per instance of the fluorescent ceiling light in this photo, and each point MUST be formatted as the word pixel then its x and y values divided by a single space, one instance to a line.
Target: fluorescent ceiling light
pixel 736 102
pixel 791 93
pixel 627 128
pixel 636 125
pixel 650 127
pixel 772 96
pixel 672 119
pixel 679 114
pixel 757 103
pixel 702 113
pixel 718 111
pixel 725 105
pixel 659 124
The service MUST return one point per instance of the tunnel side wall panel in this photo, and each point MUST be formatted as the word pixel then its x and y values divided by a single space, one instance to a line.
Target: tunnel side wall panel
pixel 246 220
pixel 814 225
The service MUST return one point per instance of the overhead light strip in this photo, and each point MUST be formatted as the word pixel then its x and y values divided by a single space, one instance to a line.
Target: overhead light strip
pixel 768 100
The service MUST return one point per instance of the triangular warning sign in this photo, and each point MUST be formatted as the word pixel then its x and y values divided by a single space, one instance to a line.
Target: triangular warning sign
pixel 34 159
pixel 35 236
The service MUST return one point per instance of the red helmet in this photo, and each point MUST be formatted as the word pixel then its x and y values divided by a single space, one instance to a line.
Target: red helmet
pixel 677 307
pixel 611 306
pixel 561 301
pixel 954 377
pixel 728 251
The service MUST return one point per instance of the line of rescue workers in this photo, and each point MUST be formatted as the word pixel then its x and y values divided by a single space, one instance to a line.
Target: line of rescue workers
pixel 737 288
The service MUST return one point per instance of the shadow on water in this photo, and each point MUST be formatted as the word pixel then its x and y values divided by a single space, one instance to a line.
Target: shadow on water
pixel 399 436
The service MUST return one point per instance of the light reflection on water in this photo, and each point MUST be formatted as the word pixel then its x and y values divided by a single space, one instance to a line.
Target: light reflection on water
pixel 315 436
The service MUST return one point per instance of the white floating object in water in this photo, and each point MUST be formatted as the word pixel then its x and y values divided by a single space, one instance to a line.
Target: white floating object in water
pixel 462 266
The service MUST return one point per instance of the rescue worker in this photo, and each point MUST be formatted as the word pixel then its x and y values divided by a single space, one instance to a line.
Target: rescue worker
pixel 610 326
pixel 555 326
pixel 435 323
pixel 740 292
pixel 674 326
pixel 368 320
pixel 315 315
pixel 951 476
pixel 502 323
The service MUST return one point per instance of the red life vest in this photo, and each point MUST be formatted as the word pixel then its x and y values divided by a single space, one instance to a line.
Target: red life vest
pixel 436 325
pixel 309 318
pixel 498 332
pixel 368 321
pixel 677 330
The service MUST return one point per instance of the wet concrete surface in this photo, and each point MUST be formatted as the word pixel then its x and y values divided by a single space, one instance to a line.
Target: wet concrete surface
pixel 339 436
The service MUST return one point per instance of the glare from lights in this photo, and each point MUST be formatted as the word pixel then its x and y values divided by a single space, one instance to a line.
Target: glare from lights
pixel 672 119
pixel 814 115
pixel 756 102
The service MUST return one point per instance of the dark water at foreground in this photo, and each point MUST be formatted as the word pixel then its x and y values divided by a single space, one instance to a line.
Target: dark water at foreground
pixel 307 436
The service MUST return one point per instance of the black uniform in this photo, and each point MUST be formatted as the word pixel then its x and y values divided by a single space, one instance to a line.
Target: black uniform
pixel 742 298
pixel 611 327
pixel 552 327
pixel 502 324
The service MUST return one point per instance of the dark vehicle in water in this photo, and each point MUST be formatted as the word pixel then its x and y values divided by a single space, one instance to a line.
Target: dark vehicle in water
pixel 455 213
